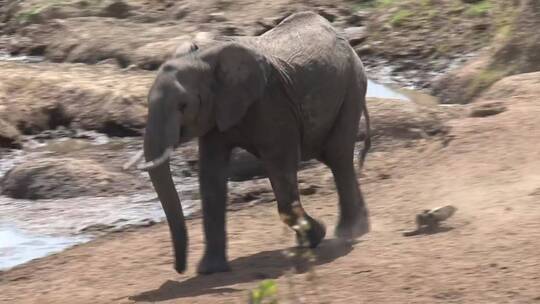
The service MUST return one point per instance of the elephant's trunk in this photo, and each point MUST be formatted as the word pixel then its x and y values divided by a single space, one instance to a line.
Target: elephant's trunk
pixel 162 133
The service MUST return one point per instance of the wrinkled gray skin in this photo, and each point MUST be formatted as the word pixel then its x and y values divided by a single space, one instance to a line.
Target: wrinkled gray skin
pixel 295 93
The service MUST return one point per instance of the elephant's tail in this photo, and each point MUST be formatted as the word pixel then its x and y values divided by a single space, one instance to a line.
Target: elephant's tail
pixel 367 137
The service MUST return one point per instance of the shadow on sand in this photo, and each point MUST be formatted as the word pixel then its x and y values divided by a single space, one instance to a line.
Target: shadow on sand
pixel 262 265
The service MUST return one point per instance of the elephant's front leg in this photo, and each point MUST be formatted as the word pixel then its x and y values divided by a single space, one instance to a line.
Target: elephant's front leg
pixel 214 156
pixel 282 171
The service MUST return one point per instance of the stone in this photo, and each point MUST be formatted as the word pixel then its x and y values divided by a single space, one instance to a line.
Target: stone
pixel 356 35
pixel 116 9
pixel 64 177
pixel 364 49
pixel 181 12
pixel 487 109
pixel 9 136
pixel 327 14
pixel 357 18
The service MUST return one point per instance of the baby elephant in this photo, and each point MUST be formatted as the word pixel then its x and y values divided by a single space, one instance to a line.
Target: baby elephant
pixel 295 93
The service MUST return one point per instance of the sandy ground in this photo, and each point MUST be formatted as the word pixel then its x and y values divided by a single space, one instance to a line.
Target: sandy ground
pixel 488 167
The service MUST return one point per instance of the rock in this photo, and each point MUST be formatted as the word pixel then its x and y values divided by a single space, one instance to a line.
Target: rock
pixel 357 18
pixel 364 49
pixel 110 61
pixel 150 56
pixel 482 26
pixel 60 132
pixel 393 120
pixel 305 189
pixel 461 85
pixel 327 14
pixel 181 12
pixel 216 17
pixel 356 35
pixel 229 30
pixel 484 109
pixel 52 178
pixel 526 84
pixel 100 98
pixel 244 166
pixel 281 17
pixel 116 9
pixel 264 25
pixel 9 136
pixel 345 11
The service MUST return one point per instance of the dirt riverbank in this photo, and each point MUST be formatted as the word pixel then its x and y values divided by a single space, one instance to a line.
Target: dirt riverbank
pixel 486 166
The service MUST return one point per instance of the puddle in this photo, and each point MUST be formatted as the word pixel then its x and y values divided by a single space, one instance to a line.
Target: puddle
pixel 377 90
pixel 18 247
pixel 32 229
pixel 22 58
pixel 392 91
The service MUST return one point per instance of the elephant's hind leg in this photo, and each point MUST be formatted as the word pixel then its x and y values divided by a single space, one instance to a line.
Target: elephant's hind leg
pixel 282 171
pixel 339 156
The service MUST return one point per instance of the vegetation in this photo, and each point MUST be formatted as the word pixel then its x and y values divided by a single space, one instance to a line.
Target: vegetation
pixel 400 17
pixel 479 9
pixel 265 293
pixel 301 257
pixel 29 15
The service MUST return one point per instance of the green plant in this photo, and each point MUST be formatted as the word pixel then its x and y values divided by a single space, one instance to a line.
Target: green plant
pixel 266 292
pixel 29 15
pixel 400 17
pixel 479 9
pixel 385 2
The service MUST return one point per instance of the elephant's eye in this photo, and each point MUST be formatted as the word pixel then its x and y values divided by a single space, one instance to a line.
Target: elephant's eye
pixel 182 107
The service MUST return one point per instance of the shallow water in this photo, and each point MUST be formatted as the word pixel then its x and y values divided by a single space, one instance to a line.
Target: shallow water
pixel 18 247
pixel 22 58
pixel 32 229
pixel 378 90
pixel 392 91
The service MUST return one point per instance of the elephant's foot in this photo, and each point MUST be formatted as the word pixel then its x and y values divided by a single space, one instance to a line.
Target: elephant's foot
pixel 314 235
pixel 350 229
pixel 213 264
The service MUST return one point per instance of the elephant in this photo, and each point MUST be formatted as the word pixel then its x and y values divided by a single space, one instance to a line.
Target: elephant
pixel 294 93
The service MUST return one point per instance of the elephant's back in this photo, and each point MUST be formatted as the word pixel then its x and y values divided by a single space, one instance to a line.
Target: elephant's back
pixel 317 64
pixel 303 38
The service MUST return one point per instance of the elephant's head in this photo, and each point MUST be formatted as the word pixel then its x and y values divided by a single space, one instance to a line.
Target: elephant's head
pixel 194 94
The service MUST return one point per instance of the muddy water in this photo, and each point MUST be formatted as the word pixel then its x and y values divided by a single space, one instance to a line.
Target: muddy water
pixel 32 229
pixel 378 90
pixel 393 91
pixel 18 247
pixel 22 58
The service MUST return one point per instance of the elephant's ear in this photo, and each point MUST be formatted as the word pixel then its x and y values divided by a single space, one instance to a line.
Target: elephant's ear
pixel 241 76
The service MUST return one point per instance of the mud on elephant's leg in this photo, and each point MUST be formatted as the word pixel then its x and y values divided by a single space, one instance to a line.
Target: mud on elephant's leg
pixel 283 177
pixel 214 157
